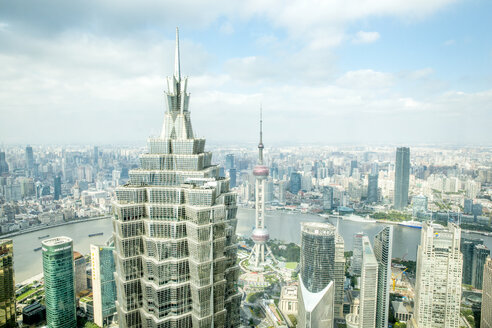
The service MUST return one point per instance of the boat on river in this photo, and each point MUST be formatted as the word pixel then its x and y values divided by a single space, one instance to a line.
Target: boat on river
pixel 42 237
pixel 412 224
pixel 96 234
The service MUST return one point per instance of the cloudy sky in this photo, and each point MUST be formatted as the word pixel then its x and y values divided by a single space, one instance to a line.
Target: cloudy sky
pixel 325 71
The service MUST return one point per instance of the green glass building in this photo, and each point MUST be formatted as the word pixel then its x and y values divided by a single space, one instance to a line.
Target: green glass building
pixel 103 284
pixel 7 290
pixel 59 282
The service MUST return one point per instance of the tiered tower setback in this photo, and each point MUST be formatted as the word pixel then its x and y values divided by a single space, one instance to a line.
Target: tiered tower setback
pixel 175 231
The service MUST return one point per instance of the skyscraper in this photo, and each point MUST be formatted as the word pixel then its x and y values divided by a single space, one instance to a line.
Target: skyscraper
pixel 480 254
pixel 95 158
pixel 383 244
pixel 318 269
pixel 103 284
pixel 486 319
pixel 4 167
pixel 57 188
pixel 438 280
pixel 260 234
pixel 368 286
pixel 295 182
pixel 29 159
pixel 467 247
pixel 229 162
pixel 356 262
pixel 402 177
pixel 372 188
pixel 80 272
pixel 7 285
pixel 339 274
pixel 59 286
pixel 232 177
pixel 327 198
pixel 174 230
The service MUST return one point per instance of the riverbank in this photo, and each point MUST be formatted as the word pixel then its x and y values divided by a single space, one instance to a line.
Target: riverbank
pixel 49 226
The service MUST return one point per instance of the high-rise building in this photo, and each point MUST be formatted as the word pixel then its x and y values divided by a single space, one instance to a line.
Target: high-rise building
pixel 57 188
pixel 383 244
pixel 229 162
pixel 339 275
pixel 327 198
pixel 438 279
pixel 480 254
pixel 486 318
pixel 467 247
pixel 319 267
pixel 232 177
pixel 59 285
pixel 372 188
pixel 402 177
pixel 353 166
pixel 356 261
pixel 368 286
pixel 80 272
pixel 260 234
pixel 7 285
pixel 295 182
pixel 95 158
pixel 29 159
pixel 4 167
pixel 174 231
pixel 103 284
pixel 468 206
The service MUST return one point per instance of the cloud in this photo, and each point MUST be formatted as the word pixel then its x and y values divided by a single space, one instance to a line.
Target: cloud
pixel 366 79
pixel 366 37
pixel 226 28
pixel 449 43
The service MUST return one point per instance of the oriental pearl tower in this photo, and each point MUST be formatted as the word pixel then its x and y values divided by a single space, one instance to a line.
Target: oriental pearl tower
pixel 260 234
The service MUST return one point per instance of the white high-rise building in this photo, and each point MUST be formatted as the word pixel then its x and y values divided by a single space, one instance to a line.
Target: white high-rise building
pixel 369 285
pixel 383 243
pixel 175 231
pixel 438 281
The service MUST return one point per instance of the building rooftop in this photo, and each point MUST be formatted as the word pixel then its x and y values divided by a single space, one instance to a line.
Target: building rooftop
pixel 56 241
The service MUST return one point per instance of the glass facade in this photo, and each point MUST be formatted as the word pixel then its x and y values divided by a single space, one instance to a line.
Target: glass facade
pixel 402 177
pixel 7 290
pixel 103 284
pixel 59 284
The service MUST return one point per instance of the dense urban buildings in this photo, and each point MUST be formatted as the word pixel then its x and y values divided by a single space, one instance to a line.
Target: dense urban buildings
pixel 402 176
pixel 103 284
pixel 383 250
pixel 486 318
pixel 174 231
pixel 7 290
pixel 59 284
pixel 439 274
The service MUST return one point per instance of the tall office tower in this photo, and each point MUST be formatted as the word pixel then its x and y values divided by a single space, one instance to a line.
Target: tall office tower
pixel 232 177
pixel 438 280
pixel 486 319
pixel 103 284
pixel 7 285
pixel 467 247
pixel 480 254
pixel 356 262
pixel 372 188
pixel 383 244
pixel 229 162
pixel 282 188
pixel 57 187
pixel 295 182
pixel 327 198
pixel 353 166
pixel 318 272
pixel 468 206
pixel 260 234
pixel 174 231
pixel 80 272
pixel 4 167
pixel 315 309
pixel 339 274
pixel 95 158
pixel 29 159
pixel 59 287
pixel 402 177
pixel 368 286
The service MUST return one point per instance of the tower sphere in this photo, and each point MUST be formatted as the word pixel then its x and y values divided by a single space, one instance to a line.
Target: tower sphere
pixel 260 171
pixel 260 235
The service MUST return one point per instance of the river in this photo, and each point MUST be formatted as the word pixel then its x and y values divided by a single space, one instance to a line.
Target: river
pixel 281 225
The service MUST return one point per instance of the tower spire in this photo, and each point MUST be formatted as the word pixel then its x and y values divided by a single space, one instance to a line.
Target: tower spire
pixel 260 145
pixel 177 69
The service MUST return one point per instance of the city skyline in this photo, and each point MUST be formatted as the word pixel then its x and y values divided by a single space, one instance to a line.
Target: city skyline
pixel 365 71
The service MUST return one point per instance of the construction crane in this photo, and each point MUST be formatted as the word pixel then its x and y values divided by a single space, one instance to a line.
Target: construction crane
pixel 396 277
